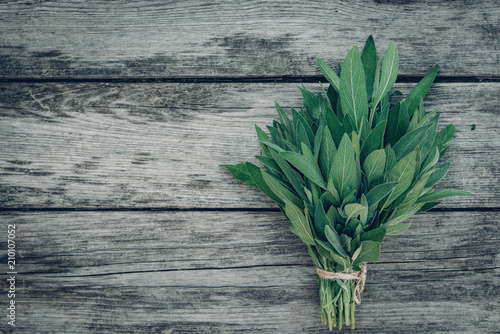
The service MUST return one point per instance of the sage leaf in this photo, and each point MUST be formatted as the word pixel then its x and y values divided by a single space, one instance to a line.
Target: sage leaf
pixel 299 224
pixel 334 240
pixel 352 88
pixel 343 172
pixel 390 67
pixel 256 174
pixel 240 172
pixel 374 165
pixel 378 192
pixel 376 234
pixel 370 252
pixel 306 167
pixel 279 190
pixel 329 74
pixel 373 141
pixel 402 173
pixel 409 142
pixel 397 229
pixel 438 175
pixel 418 92
pixel 369 60
pixel 438 194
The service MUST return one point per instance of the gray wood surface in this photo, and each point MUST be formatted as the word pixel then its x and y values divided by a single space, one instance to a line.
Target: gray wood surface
pixel 240 272
pixel 162 239
pixel 159 145
pixel 191 38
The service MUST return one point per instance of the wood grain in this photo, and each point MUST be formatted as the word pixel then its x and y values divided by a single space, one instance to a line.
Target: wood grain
pixel 157 145
pixel 230 39
pixel 242 272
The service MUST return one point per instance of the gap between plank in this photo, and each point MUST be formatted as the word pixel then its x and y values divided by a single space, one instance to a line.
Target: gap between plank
pixel 112 209
pixel 238 268
pixel 280 79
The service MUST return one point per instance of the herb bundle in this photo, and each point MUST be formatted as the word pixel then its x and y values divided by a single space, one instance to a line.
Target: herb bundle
pixel 349 169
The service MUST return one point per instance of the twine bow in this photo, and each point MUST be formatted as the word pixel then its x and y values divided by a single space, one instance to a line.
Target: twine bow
pixel 359 276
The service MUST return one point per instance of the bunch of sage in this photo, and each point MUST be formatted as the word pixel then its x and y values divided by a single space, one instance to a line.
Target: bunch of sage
pixel 350 167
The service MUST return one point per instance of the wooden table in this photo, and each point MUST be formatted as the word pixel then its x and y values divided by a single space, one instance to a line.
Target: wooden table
pixel 114 117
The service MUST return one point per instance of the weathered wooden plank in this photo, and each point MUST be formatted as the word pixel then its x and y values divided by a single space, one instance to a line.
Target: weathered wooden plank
pixel 159 145
pixel 233 272
pixel 45 39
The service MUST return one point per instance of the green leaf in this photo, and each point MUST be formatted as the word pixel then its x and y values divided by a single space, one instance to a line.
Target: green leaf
pixel 345 240
pixel 325 245
pixel 299 224
pixel 305 166
pixel 397 229
pixel 302 136
pixel 347 125
pixel 426 118
pixel 333 237
pixel 438 175
pixel 262 135
pixel 365 129
pixel 427 141
pixel 290 146
pixel 314 103
pixel 335 194
pixel 438 194
pixel 364 215
pixel 285 121
pixel 314 256
pixel 318 138
pixel 299 118
pixel 334 126
pixel 353 210
pixel 369 60
pixel 306 152
pixel 376 234
pixel 240 172
pixel 414 123
pixel 343 172
pixel 263 139
pixel 390 159
pixel 419 91
pixel 320 220
pixel 333 96
pixel 431 159
pixel 373 141
pixel 443 139
pixel 403 120
pixel 327 152
pixel 352 88
pixel 402 173
pixel 340 260
pixel 279 190
pixel 273 146
pixel 390 67
pixel 409 142
pixel 256 174
pixel 370 252
pixel 292 176
pixel 391 132
pixel 411 197
pixel 276 135
pixel 374 165
pixel 399 219
pixel 329 74
pixel 379 192
pixel 270 164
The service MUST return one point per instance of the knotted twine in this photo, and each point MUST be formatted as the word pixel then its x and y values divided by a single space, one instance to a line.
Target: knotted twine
pixel 359 276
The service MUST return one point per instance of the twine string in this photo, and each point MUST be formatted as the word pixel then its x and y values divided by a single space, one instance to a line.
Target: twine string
pixel 359 276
